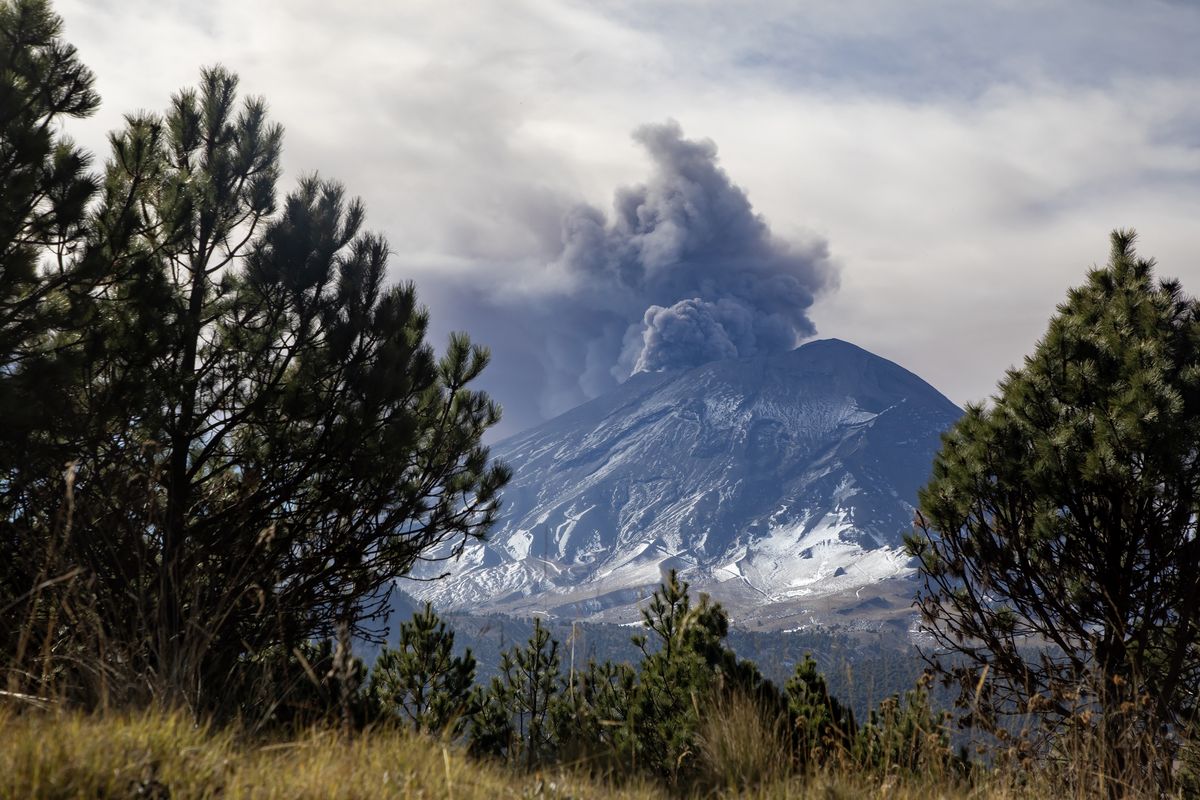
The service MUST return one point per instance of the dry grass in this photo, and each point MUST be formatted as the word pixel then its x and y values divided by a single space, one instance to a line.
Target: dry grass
pixel 743 744
pixel 159 756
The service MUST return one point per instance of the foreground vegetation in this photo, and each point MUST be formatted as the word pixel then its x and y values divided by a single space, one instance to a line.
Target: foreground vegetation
pixel 155 755
pixel 689 719
pixel 160 756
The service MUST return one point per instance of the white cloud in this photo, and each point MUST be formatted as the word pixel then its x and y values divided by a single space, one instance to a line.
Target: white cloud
pixel 965 161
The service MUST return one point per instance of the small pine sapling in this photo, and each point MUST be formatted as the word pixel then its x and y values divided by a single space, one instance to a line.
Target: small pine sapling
pixel 422 682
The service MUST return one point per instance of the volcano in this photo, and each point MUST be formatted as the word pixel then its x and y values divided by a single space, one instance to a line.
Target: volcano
pixel 782 485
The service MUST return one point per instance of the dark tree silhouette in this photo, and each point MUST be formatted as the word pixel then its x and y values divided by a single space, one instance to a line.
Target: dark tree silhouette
pixel 268 440
pixel 1057 537
pixel 45 188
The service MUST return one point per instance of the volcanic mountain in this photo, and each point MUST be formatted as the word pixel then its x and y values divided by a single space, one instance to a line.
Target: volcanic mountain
pixel 782 485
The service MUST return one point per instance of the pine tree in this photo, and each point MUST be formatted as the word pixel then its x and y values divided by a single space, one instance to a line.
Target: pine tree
pixel 45 186
pixel 45 180
pixel 422 681
pixel 55 262
pixel 678 674
pixel 491 733
pixel 592 717
pixel 821 725
pixel 266 439
pixel 685 673
pixel 515 720
pixel 1057 537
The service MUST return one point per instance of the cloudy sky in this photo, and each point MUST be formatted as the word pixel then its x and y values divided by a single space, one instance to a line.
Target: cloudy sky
pixel 596 188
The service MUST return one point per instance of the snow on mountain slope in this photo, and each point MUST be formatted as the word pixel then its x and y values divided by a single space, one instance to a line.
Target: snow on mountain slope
pixel 770 482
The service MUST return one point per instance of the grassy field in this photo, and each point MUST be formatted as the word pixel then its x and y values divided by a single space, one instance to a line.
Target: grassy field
pixel 46 755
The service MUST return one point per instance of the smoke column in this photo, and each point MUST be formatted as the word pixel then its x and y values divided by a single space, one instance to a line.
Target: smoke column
pixel 681 273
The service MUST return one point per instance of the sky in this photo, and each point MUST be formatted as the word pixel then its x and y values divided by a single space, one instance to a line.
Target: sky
pixel 593 189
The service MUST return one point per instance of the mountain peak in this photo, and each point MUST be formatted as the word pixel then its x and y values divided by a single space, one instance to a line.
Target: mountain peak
pixel 770 482
pixel 835 344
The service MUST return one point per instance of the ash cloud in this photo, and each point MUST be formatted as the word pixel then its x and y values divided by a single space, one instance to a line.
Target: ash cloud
pixel 681 273
pixel 686 255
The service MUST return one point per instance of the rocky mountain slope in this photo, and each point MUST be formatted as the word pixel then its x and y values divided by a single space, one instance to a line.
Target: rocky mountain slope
pixel 782 485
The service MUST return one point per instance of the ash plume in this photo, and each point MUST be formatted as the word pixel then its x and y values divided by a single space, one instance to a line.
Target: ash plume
pixel 682 272
pixel 692 266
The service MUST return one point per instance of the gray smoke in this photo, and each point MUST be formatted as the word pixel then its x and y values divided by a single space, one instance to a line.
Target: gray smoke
pixel 683 272
pixel 696 271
